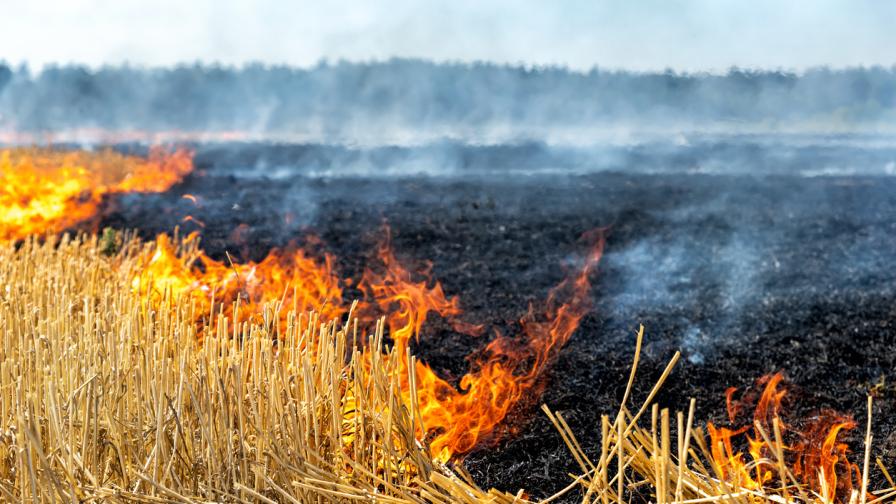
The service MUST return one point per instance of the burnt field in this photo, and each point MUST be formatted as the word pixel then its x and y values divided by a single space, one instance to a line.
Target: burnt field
pixel 746 274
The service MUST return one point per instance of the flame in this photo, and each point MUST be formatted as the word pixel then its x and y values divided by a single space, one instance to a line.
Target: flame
pixel 457 418
pixel 47 191
pixel 463 417
pixel 194 220
pixel 291 279
pixel 815 455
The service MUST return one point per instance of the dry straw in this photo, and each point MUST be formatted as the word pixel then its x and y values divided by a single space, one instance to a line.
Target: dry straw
pixel 644 459
pixel 105 397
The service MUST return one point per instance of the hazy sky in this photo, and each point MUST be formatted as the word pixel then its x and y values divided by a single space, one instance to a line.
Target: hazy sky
pixel 649 34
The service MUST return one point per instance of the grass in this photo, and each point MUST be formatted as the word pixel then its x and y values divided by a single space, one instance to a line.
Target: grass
pixel 108 397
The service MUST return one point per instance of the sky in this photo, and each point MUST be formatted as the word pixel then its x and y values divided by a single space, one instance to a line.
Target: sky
pixel 697 35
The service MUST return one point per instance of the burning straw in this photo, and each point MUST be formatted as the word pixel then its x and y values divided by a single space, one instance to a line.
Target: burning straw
pixel 649 459
pixel 105 397
pixel 108 395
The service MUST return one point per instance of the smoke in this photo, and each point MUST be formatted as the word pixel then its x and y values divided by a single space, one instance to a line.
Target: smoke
pixel 414 101
pixel 717 237
pixel 802 155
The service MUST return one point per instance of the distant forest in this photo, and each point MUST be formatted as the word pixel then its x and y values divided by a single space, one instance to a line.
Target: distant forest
pixel 340 99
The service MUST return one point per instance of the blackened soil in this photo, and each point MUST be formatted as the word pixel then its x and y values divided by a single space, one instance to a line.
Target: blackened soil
pixel 745 275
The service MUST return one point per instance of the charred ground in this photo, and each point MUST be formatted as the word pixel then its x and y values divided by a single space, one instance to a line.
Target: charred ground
pixel 745 274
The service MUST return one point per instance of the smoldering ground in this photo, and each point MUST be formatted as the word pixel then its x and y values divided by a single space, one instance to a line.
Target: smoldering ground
pixel 745 272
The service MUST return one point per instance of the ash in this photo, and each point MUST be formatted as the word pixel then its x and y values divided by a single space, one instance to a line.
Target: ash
pixel 750 257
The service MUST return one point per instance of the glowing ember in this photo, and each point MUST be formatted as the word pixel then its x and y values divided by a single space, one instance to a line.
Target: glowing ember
pixel 814 454
pixel 48 191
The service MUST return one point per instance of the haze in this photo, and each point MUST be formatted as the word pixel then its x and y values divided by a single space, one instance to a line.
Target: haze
pixel 650 35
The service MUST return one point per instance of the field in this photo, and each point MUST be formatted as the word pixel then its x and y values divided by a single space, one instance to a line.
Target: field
pixel 137 366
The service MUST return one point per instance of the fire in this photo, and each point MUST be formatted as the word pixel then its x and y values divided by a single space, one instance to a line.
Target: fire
pixel 289 279
pixel 461 418
pixel 45 190
pixel 814 455
pixel 456 418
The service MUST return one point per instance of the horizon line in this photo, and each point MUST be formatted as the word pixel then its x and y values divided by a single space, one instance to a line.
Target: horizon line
pixel 325 62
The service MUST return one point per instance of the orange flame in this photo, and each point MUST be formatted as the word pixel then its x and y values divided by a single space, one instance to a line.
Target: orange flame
pixel 814 455
pixel 47 191
pixel 292 279
pixel 463 417
pixel 457 418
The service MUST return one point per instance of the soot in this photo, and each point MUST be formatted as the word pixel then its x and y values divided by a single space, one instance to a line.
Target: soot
pixel 745 274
